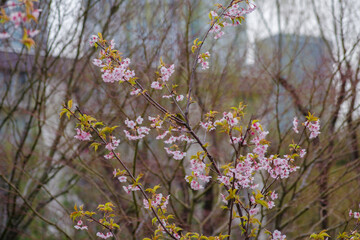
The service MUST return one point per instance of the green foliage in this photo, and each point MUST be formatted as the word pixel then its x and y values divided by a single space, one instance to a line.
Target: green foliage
pixel 320 236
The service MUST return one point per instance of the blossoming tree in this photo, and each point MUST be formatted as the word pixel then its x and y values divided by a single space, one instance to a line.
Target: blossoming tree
pixel 170 158
pixel 242 195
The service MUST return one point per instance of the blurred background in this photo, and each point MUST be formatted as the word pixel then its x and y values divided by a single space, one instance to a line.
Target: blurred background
pixel 289 57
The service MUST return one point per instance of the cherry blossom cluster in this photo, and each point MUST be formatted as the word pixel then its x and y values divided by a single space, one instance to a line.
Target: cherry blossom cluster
pixel 135 91
pixel 243 173
pixel 104 236
pixel 203 60
pixel 178 98
pixel 156 122
pixel 236 11
pixel 19 14
pixel 228 118
pixel 208 126
pixel 92 41
pixel 170 228
pixel 312 124
pixel 235 140
pixel 260 145
pixel 276 167
pixel 80 226
pixel 120 175
pixel 139 131
pixel 113 67
pixel 17 18
pixel 181 138
pixel 271 203
pixel 176 154
pixel 276 235
pixel 280 167
pixel 156 201
pixel 123 179
pixel 112 144
pixel 356 215
pixel 253 211
pixel 107 221
pixel 232 17
pixel 165 74
pixel 199 176
pixel 295 125
pixel 131 188
pixel 314 128
pixel 216 29
pixel 82 135
pixel 110 155
pixel 120 73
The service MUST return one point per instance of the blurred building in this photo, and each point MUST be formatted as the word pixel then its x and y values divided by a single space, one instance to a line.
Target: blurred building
pixel 298 64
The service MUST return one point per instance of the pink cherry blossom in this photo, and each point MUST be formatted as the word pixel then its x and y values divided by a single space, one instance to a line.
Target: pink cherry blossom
pixel 196 185
pixel 11 4
pixel 36 13
pixel 139 120
pixel 302 153
pixel 162 136
pixel 82 135
pixel 110 155
pixel 274 195
pixel 295 125
pixel 165 202
pixel 126 189
pixel 17 18
pixel 112 144
pixel 104 236
pixel 209 126
pixel 93 40
pixel 236 11
pixel 219 35
pixel 122 178
pixel 130 124
pixel 179 98
pixel 80 226
pixel 168 96
pixel 156 85
pixel 143 130
pixel 98 62
pixel 254 211
pixel 214 14
pixel 277 235
pixel 202 59
pixel 177 155
pixel 129 74
pixel 4 35
pixel 216 28
pixel 135 92
pixel 130 188
pixel 314 128
pixel 271 204
pixel 167 72
pixel 33 33
pixel 146 204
